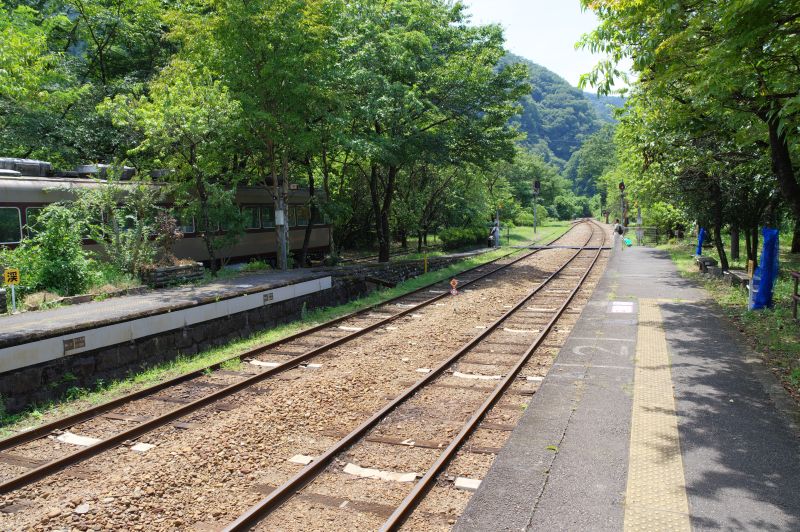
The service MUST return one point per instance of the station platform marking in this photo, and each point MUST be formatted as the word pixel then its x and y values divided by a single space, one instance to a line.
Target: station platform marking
pixel 656 493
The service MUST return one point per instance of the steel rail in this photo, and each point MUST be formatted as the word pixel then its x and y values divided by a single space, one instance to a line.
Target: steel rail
pixel 286 490
pixel 90 413
pixel 80 455
pixel 410 502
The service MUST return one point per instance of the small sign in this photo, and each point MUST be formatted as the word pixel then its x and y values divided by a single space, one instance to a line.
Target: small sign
pixel 11 276
pixel 453 285
pixel 74 343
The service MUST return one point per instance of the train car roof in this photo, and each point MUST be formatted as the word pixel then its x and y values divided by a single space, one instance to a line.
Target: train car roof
pixel 31 189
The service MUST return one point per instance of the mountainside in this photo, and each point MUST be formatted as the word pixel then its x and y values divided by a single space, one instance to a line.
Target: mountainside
pixel 556 116
pixel 604 105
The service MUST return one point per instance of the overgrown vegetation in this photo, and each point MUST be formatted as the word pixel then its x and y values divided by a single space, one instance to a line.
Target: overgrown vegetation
pixel 53 258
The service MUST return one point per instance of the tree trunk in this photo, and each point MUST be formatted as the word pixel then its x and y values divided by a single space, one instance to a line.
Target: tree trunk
pixel 279 206
pixel 796 237
pixel 782 165
pixel 748 244
pixel 419 241
pixel 403 239
pixel 720 245
pixel 284 196
pixel 381 206
pixel 376 204
pixel 734 243
pixel 327 187
pixel 753 253
pixel 312 211
pixel 207 238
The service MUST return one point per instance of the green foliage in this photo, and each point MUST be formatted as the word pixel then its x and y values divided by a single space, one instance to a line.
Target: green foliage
pixel 555 116
pixel 666 217
pixel 713 122
pixel 54 258
pixel 255 266
pixel 461 237
pixel 591 161
pixel 121 218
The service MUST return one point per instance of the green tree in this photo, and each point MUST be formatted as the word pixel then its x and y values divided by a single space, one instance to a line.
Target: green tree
pixel 188 122
pixel 730 61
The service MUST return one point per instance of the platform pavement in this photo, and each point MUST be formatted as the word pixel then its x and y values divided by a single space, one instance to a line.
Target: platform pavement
pixel 28 326
pixel 715 441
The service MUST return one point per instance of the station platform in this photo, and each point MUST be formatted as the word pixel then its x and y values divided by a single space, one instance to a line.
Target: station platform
pixel 655 416
pixel 31 338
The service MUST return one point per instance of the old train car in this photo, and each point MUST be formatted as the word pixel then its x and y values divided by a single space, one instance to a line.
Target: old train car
pixel 23 197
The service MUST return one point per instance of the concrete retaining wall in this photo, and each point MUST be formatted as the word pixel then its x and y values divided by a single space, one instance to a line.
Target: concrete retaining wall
pixel 53 380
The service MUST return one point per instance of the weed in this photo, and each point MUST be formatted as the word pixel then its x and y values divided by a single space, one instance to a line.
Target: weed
pixel 231 365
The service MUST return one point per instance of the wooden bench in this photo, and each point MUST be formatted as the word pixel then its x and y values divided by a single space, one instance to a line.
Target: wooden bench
pixel 704 262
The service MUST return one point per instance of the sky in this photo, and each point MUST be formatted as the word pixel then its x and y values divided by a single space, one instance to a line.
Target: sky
pixel 544 31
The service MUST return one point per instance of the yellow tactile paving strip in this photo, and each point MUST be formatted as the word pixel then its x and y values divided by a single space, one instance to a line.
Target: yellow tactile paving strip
pixel 656 494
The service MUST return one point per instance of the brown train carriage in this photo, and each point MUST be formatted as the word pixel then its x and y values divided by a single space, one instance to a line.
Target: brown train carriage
pixel 23 197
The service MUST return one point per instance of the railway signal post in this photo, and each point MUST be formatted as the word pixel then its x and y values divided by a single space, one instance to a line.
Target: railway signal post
pixel 537 186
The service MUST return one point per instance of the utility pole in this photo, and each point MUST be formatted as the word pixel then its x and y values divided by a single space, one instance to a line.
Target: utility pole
pixel 537 186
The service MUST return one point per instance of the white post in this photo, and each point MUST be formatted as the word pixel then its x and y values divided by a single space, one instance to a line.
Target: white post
pixel 13 299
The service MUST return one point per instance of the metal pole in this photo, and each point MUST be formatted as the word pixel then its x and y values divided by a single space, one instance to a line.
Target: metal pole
pixel 535 219
pixel 13 299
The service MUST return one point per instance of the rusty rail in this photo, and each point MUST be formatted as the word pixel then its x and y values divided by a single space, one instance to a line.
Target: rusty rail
pixel 285 491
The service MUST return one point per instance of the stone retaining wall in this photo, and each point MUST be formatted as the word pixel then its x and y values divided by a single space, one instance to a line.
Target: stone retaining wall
pixel 53 380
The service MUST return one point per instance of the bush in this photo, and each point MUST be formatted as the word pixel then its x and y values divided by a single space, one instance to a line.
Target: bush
pixel 256 266
pixel 524 218
pixel 459 237
pixel 53 259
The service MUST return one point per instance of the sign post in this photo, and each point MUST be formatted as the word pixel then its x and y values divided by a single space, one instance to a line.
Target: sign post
pixel 11 277
pixel 622 202
pixel 453 285
pixel 537 186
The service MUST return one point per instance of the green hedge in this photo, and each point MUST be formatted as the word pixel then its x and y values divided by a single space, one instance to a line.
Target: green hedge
pixel 459 237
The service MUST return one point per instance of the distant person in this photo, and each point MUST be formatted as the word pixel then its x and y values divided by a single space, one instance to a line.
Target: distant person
pixel 618 232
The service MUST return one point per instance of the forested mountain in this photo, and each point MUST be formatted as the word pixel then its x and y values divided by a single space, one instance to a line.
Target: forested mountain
pixel 556 116
pixel 604 105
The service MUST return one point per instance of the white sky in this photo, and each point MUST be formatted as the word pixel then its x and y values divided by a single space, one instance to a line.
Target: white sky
pixel 544 31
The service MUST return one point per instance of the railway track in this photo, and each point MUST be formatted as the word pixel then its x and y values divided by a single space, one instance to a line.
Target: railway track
pixel 39 453
pixel 417 413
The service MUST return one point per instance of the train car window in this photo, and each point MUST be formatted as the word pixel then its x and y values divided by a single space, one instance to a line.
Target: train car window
pixel 10 225
pixel 318 219
pixel 31 217
pixel 215 227
pixel 251 219
pixel 185 223
pixel 292 216
pixel 267 217
pixel 302 214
